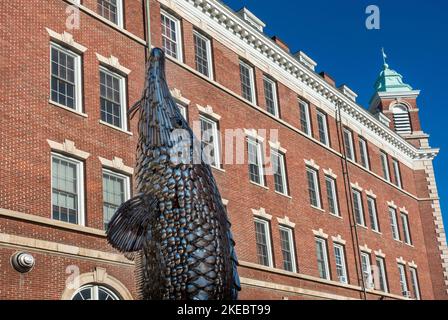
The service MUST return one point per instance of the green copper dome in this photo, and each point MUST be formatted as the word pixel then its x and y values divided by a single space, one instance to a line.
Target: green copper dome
pixel 391 81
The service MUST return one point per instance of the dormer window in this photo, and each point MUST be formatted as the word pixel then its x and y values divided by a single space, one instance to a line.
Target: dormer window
pixel 402 121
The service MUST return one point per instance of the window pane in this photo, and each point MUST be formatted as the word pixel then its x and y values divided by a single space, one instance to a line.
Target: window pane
pixel 114 194
pixel 358 207
pixel 202 54
pixel 108 9
pixel 406 231
pixel 247 85
pixel 262 243
pixel 371 205
pixel 382 274
pixel 341 270
pixel 305 117
pixel 394 223
pixel 364 153
pixel 322 126
pixel 403 280
pixel 209 140
pixel 348 142
pixel 278 165
pixel 255 169
pixel 385 166
pixel 170 36
pixel 110 98
pixel 270 96
pixel 313 187
pixel 63 77
pixel 322 264
pixel 332 195
pixel 287 249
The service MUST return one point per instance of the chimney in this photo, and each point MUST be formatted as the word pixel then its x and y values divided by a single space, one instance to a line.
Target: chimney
pixel 328 78
pixel 280 43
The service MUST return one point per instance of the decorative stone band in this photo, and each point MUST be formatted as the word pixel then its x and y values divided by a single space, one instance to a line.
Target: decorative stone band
pixel 66 39
pixel 117 165
pixel 208 111
pixel 114 63
pixel 312 164
pixel 68 147
pixel 320 233
pixel 261 213
pixel 286 222
pixel 339 240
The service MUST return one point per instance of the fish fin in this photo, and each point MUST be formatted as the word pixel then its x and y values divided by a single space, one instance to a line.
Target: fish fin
pixel 130 226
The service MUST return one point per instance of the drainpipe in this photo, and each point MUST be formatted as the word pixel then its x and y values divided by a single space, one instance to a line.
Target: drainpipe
pixel 147 24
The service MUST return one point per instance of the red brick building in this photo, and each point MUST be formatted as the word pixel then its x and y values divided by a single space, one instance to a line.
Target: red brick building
pixel 351 213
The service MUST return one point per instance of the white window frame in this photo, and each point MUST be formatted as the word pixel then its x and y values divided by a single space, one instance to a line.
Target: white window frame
pixel 268 240
pixel 183 110
pixel 79 188
pixel 315 174
pixel 364 153
pixel 307 116
pixel 290 233
pixel 251 79
pixel 406 228
pixel 127 182
pixel 369 281
pixel 340 248
pixel 179 51
pixel 216 145
pixel 273 85
pixel 325 253
pixel 334 195
pixel 393 219
pixel 78 77
pixel 95 290
pixel 385 165
pixel 397 173
pixel 403 281
pixel 415 283
pixel 258 145
pixel 358 195
pixel 348 134
pixel 123 98
pixel 323 117
pixel 120 15
pixel 382 277
pixel 281 158
pixel 209 53
pixel 375 226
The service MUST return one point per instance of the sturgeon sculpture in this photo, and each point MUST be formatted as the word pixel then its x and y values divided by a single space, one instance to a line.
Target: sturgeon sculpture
pixel 176 226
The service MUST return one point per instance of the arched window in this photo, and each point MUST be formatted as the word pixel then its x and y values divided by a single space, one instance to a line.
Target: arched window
pixel 94 292
pixel 402 120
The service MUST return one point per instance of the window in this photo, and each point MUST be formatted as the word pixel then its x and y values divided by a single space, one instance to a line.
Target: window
pixel 385 166
pixel 270 94
pixel 348 143
pixel 394 224
pixel 94 292
pixel 263 240
pixel 113 98
pixel 112 10
pixel 397 174
pixel 366 270
pixel 278 165
pixel 305 123
pixel 364 153
pixel 116 191
pixel 341 268
pixel 382 278
pixel 287 242
pixel 256 173
pixel 358 208
pixel 203 54
pixel 415 283
pixel 313 187
pixel 247 82
pixel 322 259
pixel 171 36
pixel 323 128
pixel 402 120
pixel 210 142
pixel 67 190
pixel 332 196
pixel 403 281
pixel 373 215
pixel 65 78
pixel 406 230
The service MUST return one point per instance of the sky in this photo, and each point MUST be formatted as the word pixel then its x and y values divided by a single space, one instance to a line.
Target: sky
pixel 334 34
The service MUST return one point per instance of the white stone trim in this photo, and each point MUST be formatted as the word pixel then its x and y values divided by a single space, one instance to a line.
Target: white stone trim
pixel 404 210
pixel 380 254
pixel 330 173
pixel 311 163
pixel 412 264
pixel 339 240
pixel 356 186
pixel 277 146
pixel 286 222
pixel 392 204
pixel 261 213
pixel 320 233
pixel 253 133
pixel 208 111
pixel 177 95
pixel 401 261
pixel 116 164
pixel 225 202
pixel 114 63
pixel 371 194
pixel 67 39
pixel 365 249
pixel 68 147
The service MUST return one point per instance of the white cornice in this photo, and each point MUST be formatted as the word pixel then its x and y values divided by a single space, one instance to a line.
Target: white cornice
pixel 292 68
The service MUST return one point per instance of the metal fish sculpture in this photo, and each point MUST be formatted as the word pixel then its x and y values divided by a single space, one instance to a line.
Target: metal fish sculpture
pixel 177 225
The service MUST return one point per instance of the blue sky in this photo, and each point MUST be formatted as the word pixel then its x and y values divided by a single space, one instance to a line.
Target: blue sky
pixel 333 33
